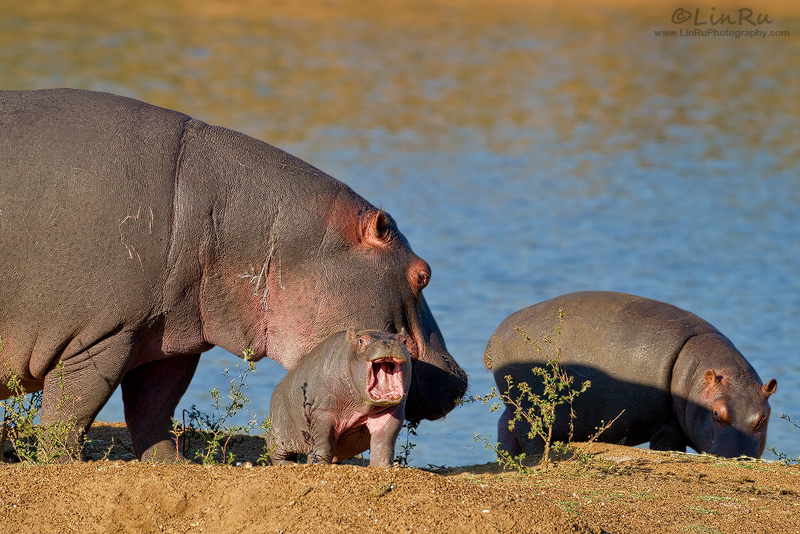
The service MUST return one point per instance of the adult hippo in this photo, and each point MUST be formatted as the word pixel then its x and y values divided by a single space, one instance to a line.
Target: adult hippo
pixel 133 238
pixel 678 379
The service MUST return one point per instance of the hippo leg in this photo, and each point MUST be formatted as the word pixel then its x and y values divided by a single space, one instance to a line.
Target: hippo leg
pixel 281 457
pixel 77 389
pixel 322 444
pixel 669 437
pixel 289 459
pixel 384 430
pixel 351 443
pixel 279 454
pixel 150 394
pixel 508 438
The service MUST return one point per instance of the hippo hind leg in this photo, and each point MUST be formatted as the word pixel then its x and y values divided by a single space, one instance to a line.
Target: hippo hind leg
pixel 508 438
pixel 282 457
pixel 76 390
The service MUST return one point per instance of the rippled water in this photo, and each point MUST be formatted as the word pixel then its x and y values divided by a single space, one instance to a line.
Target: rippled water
pixel 525 153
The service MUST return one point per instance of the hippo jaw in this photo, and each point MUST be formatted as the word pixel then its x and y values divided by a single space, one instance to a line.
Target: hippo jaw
pixel 380 366
pixel 388 370
pixel 437 382
pixel 731 442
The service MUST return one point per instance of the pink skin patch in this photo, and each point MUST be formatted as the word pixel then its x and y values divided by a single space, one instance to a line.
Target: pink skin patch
pixel 385 380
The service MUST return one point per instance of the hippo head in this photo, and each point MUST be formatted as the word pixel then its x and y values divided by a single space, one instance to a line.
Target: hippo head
pixel 379 365
pixel 319 266
pixel 726 409
pixel 734 414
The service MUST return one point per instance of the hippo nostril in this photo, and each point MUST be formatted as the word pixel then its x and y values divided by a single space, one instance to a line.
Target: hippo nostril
pixel 422 279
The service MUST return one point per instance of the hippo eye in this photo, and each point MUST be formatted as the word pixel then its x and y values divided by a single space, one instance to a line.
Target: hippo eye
pixel 419 274
pixel 719 411
pixel 760 424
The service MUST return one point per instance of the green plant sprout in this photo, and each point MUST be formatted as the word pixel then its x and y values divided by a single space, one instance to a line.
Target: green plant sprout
pixel 404 456
pixel 784 458
pixel 32 441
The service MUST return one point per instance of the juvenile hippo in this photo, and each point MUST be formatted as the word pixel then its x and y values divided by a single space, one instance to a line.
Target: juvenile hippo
pixel 679 380
pixel 133 238
pixel 347 396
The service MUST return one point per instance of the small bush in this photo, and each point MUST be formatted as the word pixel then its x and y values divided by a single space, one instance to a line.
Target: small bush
pixel 269 449
pixel 33 442
pixel 204 436
pixel 403 457
pixel 537 410
pixel 782 456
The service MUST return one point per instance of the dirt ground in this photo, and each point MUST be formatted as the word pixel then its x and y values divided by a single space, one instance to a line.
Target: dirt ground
pixel 620 489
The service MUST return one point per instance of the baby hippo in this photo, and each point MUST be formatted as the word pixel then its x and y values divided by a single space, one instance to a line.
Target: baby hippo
pixel 348 395
pixel 674 378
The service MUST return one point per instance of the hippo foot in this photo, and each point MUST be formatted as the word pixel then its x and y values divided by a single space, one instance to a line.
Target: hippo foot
pixel 164 452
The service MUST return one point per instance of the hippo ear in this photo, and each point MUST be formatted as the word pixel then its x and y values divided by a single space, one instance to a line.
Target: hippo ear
pixel 769 388
pixel 711 379
pixel 378 229
pixel 351 335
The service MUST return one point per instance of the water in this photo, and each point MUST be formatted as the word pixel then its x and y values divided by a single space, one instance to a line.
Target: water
pixel 525 153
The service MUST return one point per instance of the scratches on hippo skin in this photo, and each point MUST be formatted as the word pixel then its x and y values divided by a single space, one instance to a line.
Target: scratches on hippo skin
pixel 257 280
pixel 126 241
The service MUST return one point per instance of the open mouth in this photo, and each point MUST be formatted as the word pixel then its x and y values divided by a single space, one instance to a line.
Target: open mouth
pixel 385 381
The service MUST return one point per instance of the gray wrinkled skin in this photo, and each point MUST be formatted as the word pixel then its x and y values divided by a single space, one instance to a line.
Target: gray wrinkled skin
pixel 345 397
pixel 133 238
pixel 676 380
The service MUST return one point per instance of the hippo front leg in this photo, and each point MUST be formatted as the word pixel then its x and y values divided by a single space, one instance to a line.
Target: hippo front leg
pixel 150 394
pixel 384 429
pixel 281 456
pixel 669 437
